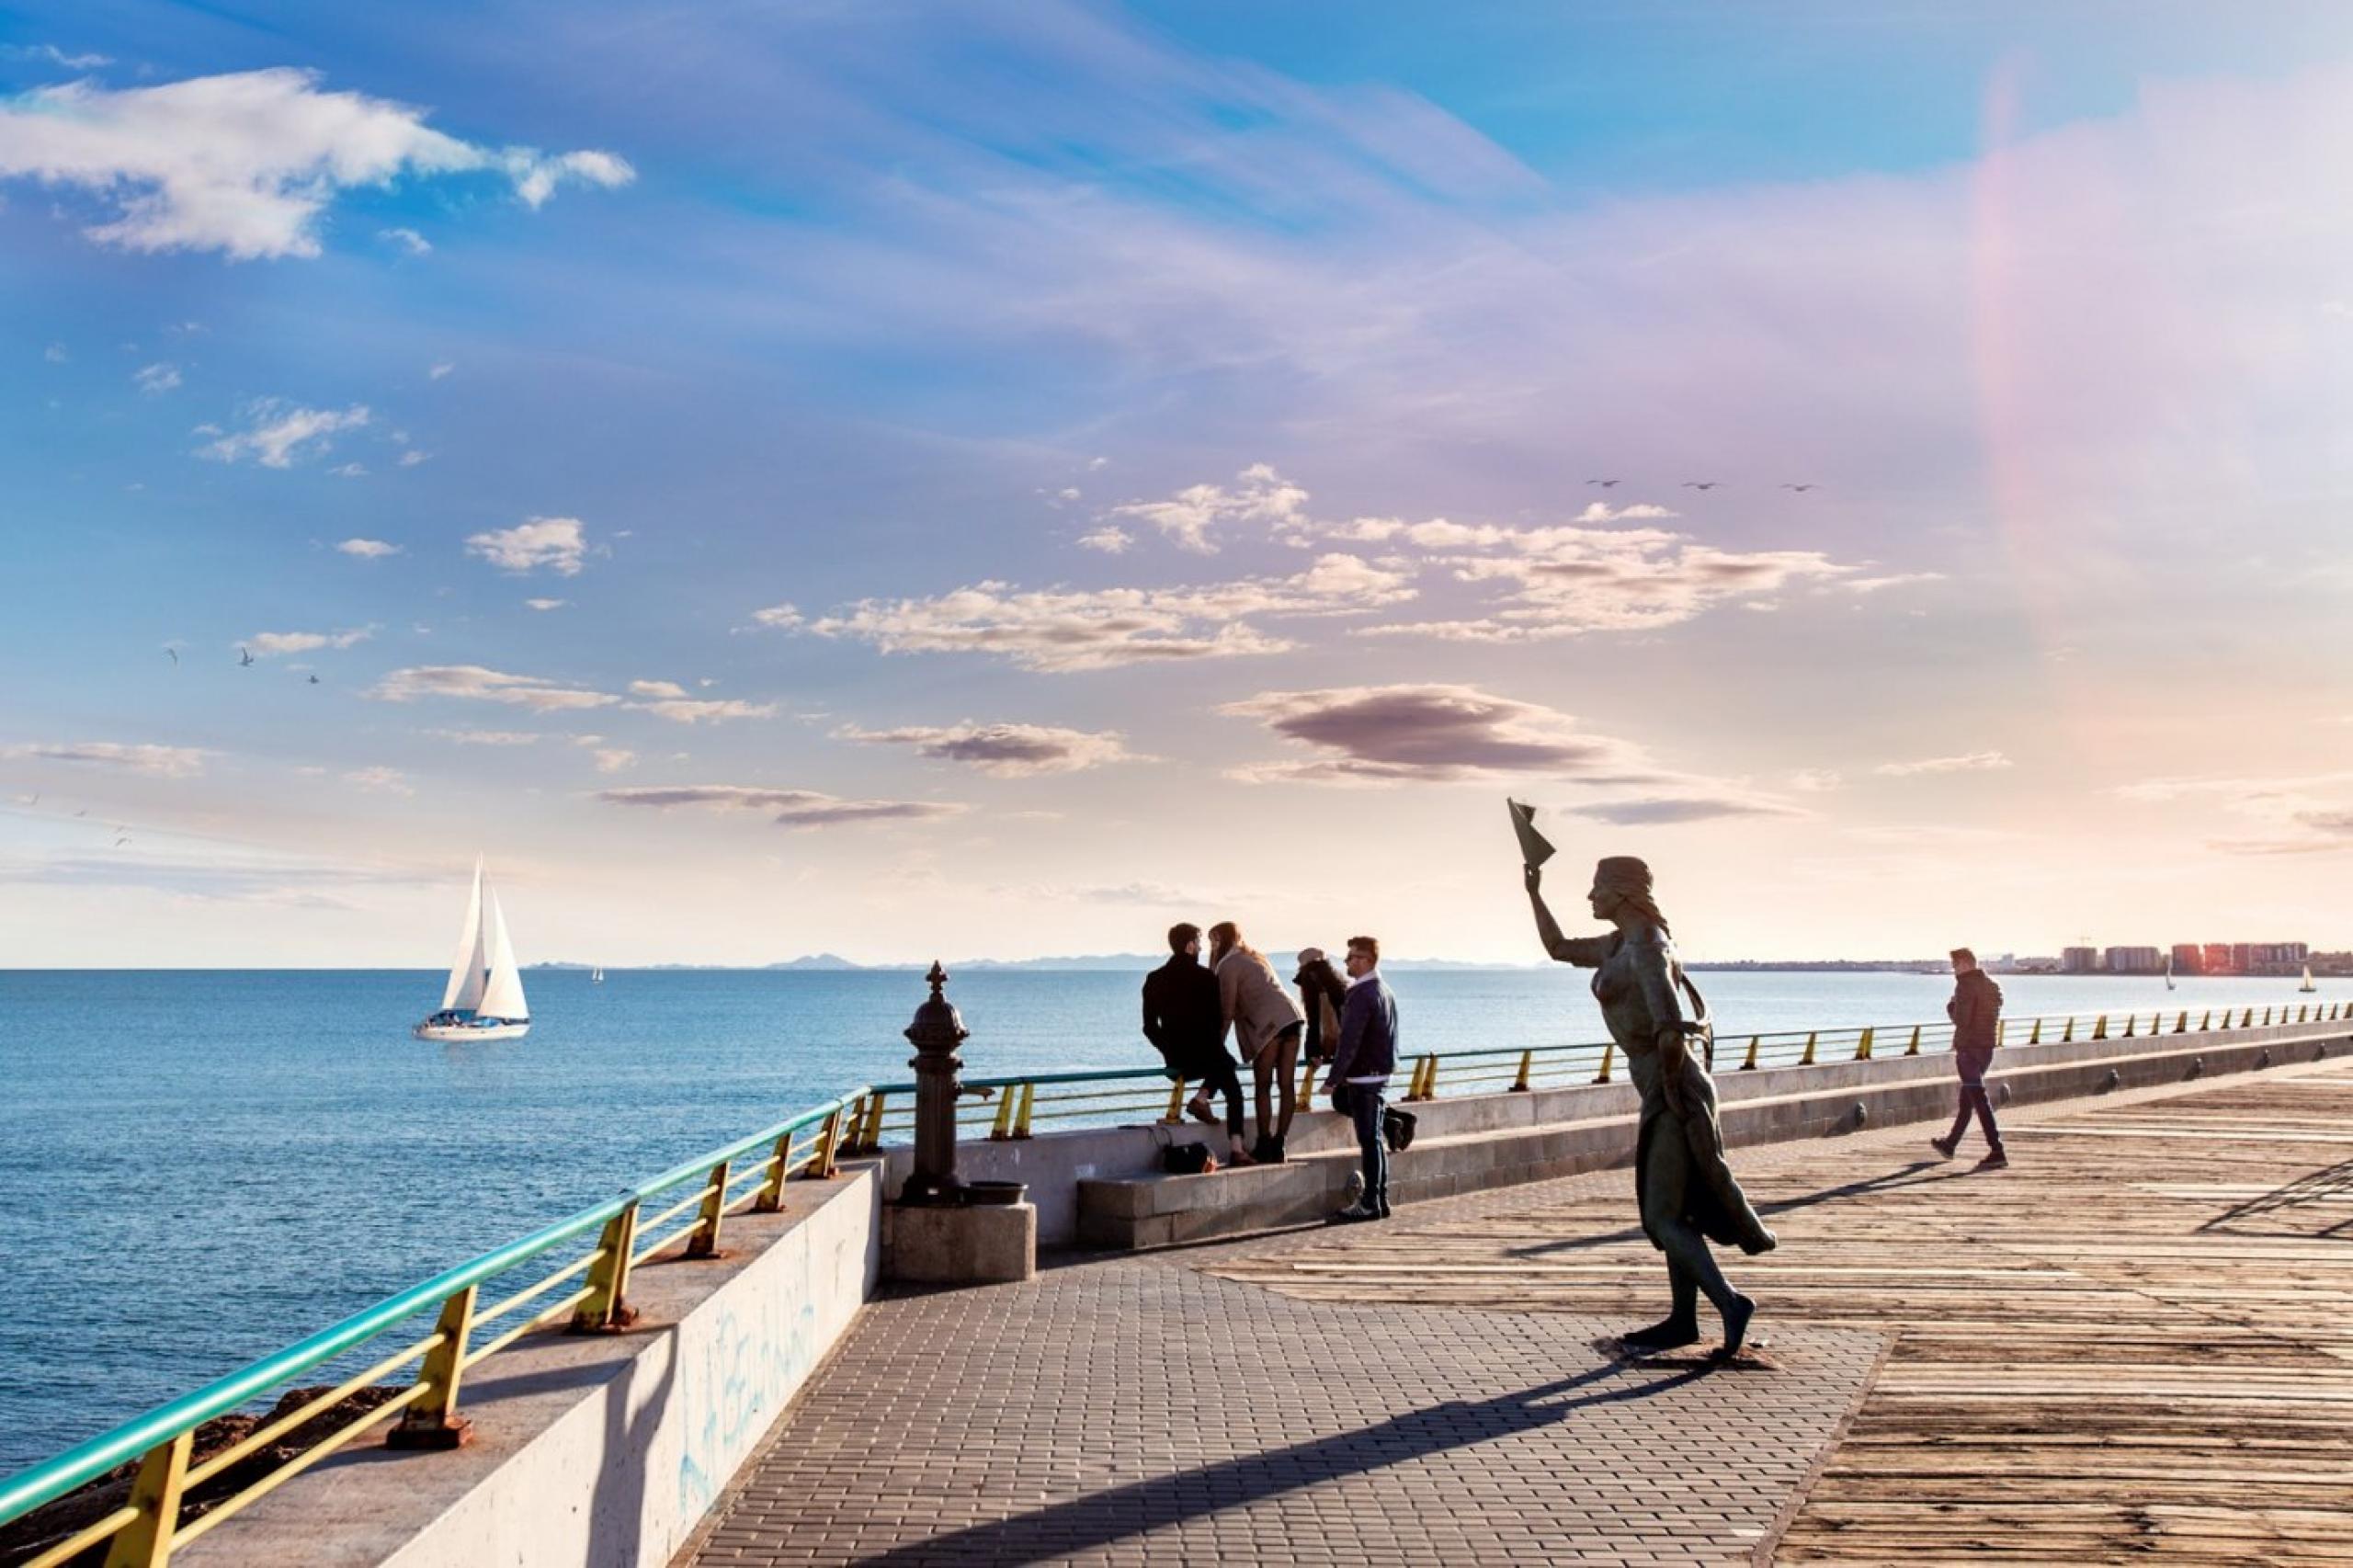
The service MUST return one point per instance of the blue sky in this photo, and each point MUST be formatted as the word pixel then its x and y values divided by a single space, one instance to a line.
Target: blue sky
pixel 897 479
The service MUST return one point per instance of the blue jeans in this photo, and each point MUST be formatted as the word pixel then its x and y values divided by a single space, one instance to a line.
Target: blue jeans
pixel 1365 1102
pixel 1970 1065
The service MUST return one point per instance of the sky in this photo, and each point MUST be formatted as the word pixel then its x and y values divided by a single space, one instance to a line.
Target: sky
pixel 910 481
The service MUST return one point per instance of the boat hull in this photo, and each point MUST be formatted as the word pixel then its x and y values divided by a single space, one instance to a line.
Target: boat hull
pixel 468 1032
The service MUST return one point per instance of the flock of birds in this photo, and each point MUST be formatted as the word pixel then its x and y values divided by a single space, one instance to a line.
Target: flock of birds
pixel 245 659
pixel 1709 484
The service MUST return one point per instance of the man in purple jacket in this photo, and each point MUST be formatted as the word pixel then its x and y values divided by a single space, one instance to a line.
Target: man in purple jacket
pixel 1976 1014
pixel 1358 1083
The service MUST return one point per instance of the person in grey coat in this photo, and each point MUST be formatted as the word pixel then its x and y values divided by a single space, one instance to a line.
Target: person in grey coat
pixel 1266 1027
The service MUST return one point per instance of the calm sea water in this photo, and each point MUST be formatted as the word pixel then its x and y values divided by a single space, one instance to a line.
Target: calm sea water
pixel 200 1166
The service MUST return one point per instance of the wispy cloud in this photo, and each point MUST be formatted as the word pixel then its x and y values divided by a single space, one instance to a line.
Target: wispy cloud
pixel 1009 751
pixel 369 549
pixel 156 379
pixel 556 543
pixel 705 710
pixel 382 779
pixel 50 55
pixel 280 432
pixel 272 644
pixel 407 240
pixel 1110 539
pixel 486 737
pixel 159 761
pixel 545 603
pixel 1665 811
pixel 474 683
pixel 245 164
pixel 1971 762
pixel 613 759
pixel 1189 518
pixel 787 808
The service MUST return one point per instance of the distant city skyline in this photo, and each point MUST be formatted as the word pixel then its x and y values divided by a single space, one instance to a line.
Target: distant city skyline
pixel 912 480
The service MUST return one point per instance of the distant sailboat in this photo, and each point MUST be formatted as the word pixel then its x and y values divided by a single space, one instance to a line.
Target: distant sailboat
pixel 2169 971
pixel 596 975
pixel 2308 985
pixel 485 998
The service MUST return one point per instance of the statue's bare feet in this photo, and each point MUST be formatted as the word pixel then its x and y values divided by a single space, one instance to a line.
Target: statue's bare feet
pixel 1736 1318
pixel 1664 1334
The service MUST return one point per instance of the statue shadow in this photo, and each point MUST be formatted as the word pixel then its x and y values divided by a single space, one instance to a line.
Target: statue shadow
pixel 1088 1524
pixel 1918 1173
pixel 2330 1185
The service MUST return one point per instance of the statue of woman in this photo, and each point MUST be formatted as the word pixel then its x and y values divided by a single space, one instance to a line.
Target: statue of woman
pixel 1687 1193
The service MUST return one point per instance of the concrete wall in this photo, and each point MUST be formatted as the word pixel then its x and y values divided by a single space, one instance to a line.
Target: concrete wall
pixel 597 1451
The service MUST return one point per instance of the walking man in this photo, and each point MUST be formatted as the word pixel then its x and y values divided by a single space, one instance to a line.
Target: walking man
pixel 1358 1083
pixel 1976 1014
pixel 1182 1017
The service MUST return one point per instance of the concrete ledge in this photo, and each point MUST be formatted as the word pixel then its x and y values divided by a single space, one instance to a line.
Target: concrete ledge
pixel 1481 1143
pixel 597 1451
pixel 979 1245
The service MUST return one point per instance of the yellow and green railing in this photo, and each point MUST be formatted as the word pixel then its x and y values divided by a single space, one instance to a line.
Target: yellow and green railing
pixel 595 1251
pixel 597 1248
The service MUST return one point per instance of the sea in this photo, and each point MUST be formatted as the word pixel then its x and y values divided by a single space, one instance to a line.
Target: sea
pixel 200 1166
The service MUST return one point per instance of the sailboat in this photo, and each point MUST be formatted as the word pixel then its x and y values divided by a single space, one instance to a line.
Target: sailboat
pixel 485 998
pixel 2308 985
pixel 2169 971
pixel 596 974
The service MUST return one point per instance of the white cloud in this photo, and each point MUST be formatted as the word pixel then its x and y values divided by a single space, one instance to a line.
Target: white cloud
pixel 384 780
pixel 367 548
pixel 157 377
pixel 545 603
pixel 1008 751
pixel 407 240
pixel 613 759
pixel 1259 495
pixel 1816 780
pixel 696 710
pixel 656 688
pixel 55 354
pixel 162 762
pixel 1065 630
pixel 271 644
pixel 349 470
pixel 245 164
pixel 473 683
pixel 1975 762
pixel 556 543
pixel 1110 539
pixel 411 458
pixel 280 432
pixel 790 808
pixel 486 737
pixel 50 53
pixel 439 371
pixel 779 618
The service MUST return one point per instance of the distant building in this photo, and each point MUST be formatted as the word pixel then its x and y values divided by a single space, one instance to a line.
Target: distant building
pixel 2217 959
pixel 2078 961
pixel 2189 959
pixel 2134 960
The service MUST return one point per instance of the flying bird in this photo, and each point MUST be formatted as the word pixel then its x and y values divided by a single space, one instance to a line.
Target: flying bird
pixel 315 680
pixel 1702 483
pixel 1605 484
pixel 123 840
pixel 174 655
pixel 1800 489
pixel 243 657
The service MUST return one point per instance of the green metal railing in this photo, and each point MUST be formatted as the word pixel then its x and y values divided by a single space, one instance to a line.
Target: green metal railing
pixel 143 1533
pixel 151 1524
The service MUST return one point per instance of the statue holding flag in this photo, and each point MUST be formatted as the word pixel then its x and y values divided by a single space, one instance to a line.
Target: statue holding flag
pixel 1687 1193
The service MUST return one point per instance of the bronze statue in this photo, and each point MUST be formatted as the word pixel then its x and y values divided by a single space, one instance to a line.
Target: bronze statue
pixel 1687 1193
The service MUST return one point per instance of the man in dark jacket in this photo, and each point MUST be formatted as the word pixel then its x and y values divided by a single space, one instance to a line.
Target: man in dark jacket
pixel 1361 1064
pixel 1976 1014
pixel 1182 1017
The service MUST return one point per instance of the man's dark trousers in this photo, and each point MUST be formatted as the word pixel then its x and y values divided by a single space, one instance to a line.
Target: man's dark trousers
pixel 1366 1102
pixel 1970 1065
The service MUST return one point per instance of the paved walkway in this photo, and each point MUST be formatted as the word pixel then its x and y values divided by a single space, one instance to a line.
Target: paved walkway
pixel 2135 1342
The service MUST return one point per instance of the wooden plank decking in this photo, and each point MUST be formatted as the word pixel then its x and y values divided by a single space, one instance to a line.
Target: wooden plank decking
pixel 2137 1342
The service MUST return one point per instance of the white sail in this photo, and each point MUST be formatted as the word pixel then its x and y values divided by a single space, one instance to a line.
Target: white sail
pixel 502 994
pixel 2308 985
pixel 464 991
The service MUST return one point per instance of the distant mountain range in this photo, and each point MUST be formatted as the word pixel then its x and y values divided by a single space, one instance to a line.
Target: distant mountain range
pixel 1126 962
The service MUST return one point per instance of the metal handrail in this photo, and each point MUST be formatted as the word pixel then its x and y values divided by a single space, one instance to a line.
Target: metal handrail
pixel 160 1438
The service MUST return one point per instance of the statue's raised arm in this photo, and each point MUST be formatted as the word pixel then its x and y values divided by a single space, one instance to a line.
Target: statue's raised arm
pixel 1587 952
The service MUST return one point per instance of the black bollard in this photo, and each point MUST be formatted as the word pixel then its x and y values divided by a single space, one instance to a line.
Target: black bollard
pixel 935 1034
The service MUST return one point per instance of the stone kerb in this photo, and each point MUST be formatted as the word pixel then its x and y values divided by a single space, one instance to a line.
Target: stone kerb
pixel 597 1451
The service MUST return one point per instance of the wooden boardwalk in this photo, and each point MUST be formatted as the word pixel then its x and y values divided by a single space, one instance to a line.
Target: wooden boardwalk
pixel 2136 1342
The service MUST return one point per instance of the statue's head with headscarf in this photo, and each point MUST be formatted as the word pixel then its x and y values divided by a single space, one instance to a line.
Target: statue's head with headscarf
pixel 1621 885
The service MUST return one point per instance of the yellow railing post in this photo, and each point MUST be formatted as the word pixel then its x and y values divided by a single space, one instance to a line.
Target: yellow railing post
pixel 1748 1063
pixel 2267 1017
pixel 871 1138
pixel 1028 1100
pixel 1306 1081
pixel 146 1541
pixel 606 1310
pixel 1912 1047
pixel 2181 1024
pixel 1609 1054
pixel 831 1144
pixel 1002 1128
pixel 2069 1032
pixel 433 1422
pixel 1175 1103
pixel 2130 1021
pixel 2207 1022
pixel 2246 1019
pixel 1863 1047
pixel 2034 1036
pixel 704 1240
pixel 2001 1031
pixel 1807 1059
pixel 771 1198
pixel 2099 1029
pixel 1527 1062
pixel 1429 1078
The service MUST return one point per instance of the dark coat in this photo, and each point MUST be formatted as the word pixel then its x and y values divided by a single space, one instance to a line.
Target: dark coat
pixel 1182 1017
pixel 1322 993
pixel 1975 1009
pixel 1368 1033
